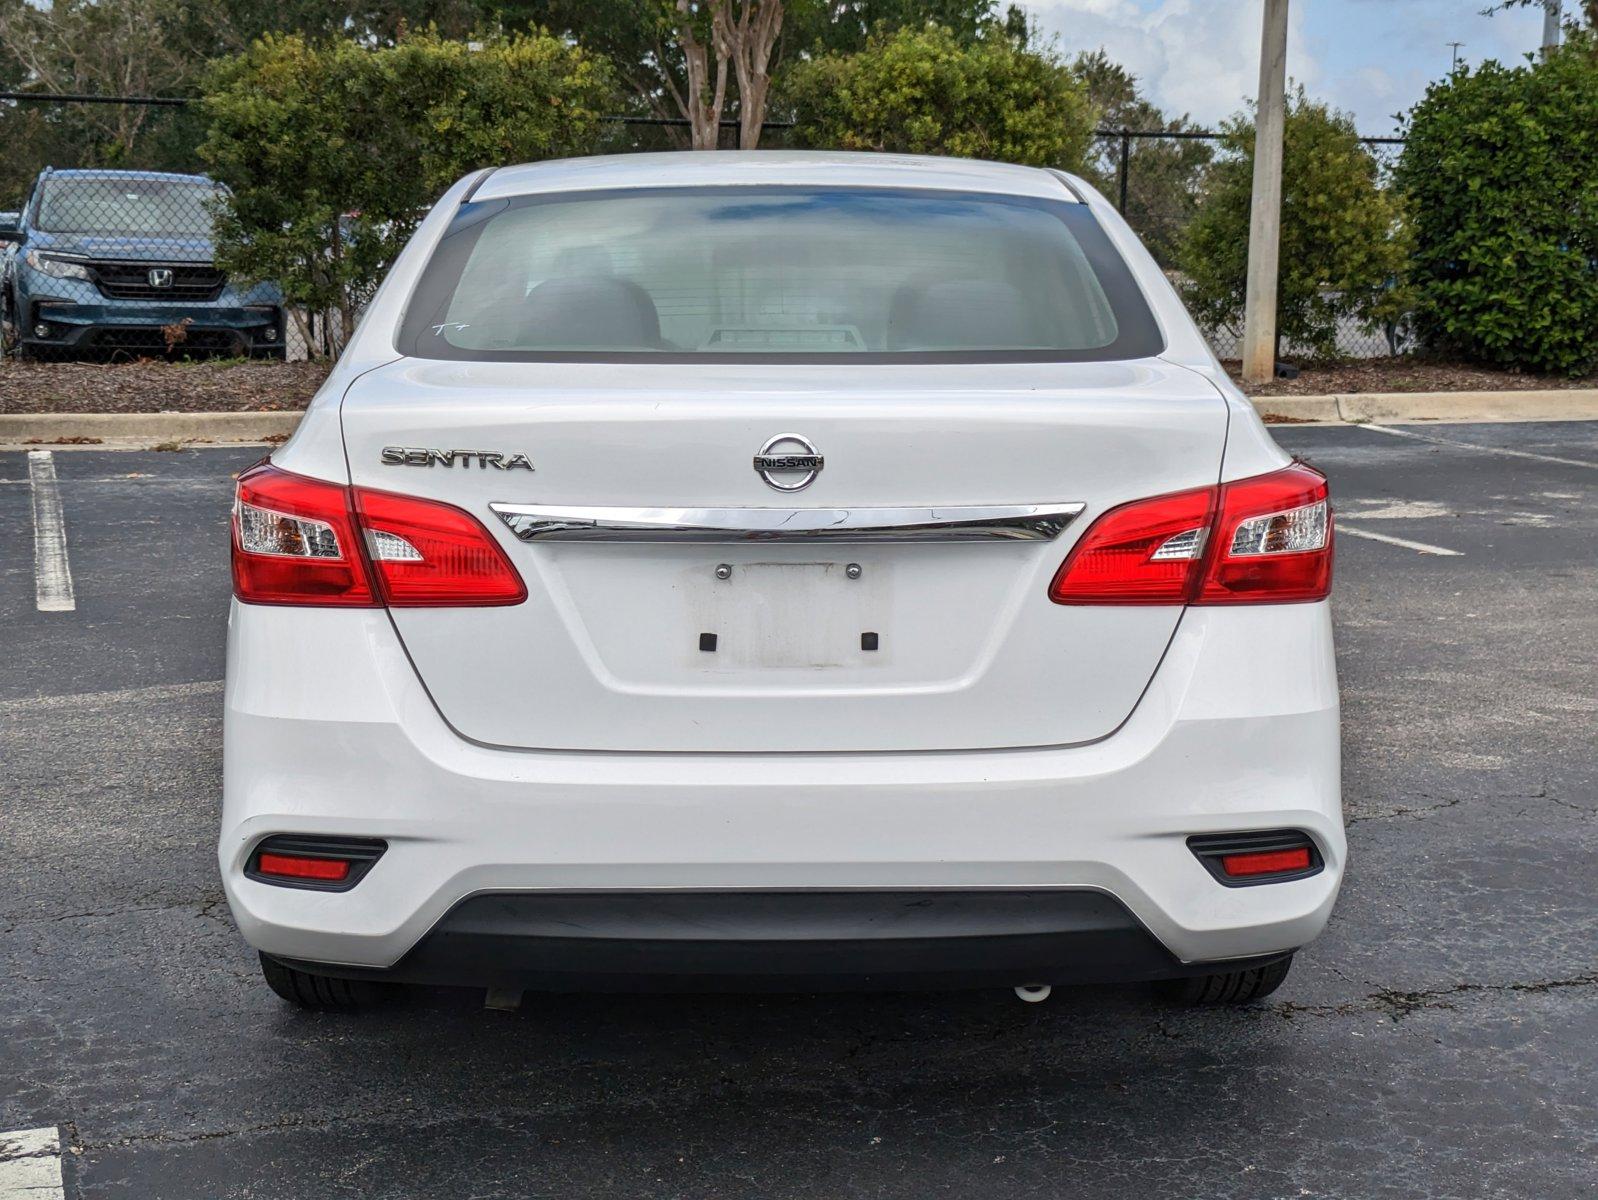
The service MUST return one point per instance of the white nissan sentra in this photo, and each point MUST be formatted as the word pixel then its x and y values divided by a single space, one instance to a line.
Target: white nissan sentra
pixel 766 570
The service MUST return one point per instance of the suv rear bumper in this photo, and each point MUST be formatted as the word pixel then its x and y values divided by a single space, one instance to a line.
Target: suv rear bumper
pixel 756 940
pixel 329 732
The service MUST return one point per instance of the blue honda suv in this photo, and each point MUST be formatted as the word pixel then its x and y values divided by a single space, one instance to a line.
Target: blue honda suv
pixel 119 263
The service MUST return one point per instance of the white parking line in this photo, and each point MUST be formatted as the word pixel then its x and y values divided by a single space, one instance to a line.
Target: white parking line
pixel 1426 437
pixel 30 1165
pixel 1422 547
pixel 52 573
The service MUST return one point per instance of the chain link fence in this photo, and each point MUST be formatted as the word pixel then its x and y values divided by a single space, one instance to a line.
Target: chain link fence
pixel 106 230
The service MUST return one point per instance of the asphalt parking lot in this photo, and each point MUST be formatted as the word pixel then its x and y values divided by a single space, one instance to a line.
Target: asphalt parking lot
pixel 1441 1040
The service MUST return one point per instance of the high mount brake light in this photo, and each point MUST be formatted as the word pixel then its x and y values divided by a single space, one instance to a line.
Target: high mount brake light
pixel 1264 540
pixel 310 542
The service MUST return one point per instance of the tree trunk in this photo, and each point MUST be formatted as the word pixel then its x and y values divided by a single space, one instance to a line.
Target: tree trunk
pixel 707 87
pixel 749 38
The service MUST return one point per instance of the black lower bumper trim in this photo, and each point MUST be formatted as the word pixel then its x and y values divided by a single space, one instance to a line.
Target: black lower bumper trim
pixel 783 940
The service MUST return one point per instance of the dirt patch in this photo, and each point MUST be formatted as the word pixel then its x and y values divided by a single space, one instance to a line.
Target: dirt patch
pixel 140 387
pixel 1402 375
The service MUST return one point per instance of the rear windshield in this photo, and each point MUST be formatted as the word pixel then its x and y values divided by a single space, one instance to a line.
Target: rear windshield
pixel 851 274
pixel 140 207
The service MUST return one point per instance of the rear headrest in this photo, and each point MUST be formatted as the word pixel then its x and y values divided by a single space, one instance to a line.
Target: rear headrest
pixel 960 313
pixel 590 311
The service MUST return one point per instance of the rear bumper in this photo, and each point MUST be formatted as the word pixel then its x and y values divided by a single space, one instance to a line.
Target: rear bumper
pixel 756 940
pixel 329 732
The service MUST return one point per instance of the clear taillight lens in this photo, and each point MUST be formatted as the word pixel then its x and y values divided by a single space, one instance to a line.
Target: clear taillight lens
pixel 1265 540
pixel 307 541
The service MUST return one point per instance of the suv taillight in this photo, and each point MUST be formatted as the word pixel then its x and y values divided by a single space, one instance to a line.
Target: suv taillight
pixel 305 541
pixel 1265 540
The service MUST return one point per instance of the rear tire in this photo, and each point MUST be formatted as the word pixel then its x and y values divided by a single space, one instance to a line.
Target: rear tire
pixel 320 993
pixel 1226 987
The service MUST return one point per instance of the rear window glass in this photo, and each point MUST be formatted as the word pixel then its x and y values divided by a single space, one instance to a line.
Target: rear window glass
pixel 851 274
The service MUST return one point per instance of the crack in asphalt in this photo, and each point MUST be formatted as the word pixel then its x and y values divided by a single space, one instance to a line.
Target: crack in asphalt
pixel 1400 1004
pixel 1422 812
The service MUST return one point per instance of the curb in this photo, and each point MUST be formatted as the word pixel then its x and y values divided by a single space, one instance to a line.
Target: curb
pixel 134 430
pixel 1358 408
pixel 146 429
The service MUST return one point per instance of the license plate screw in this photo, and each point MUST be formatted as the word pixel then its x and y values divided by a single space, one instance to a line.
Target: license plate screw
pixel 724 571
pixel 852 570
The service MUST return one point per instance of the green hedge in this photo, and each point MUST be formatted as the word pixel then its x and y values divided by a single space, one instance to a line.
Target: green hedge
pixel 1501 169
pixel 1342 243
pixel 334 150
pixel 923 91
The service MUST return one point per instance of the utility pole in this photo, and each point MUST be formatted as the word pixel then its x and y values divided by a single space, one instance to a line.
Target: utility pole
pixel 1454 66
pixel 1553 25
pixel 1265 212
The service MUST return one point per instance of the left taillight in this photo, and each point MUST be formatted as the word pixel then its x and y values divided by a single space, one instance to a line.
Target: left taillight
pixel 309 542
pixel 294 542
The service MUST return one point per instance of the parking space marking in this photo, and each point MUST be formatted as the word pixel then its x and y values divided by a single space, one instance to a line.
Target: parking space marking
pixel 30 1165
pixel 52 573
pixel 1426 437
pixel 1420 547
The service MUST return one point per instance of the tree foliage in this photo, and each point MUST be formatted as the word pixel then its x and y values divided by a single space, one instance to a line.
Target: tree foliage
pixel 333 151
pixel 1163 174
pixel 1501 172
pixel 108 47
pixel 924 91
pixel 1343 245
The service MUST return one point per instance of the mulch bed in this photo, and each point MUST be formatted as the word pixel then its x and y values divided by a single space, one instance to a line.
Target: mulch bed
pixel 139 387
pixel 65 387
pixel 1402 375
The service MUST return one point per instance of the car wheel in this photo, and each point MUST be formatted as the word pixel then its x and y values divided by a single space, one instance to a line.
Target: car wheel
pixel 1227 987
pixel 321 993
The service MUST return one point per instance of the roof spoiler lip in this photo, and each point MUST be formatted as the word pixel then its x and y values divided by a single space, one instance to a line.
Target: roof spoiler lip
pixel 482 178
pixel 1070 185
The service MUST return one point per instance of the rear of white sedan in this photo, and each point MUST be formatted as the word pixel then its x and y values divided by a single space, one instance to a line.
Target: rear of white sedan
pixel 788 571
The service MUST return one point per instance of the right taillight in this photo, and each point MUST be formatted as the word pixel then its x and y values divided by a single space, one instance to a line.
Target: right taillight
pixel 1265 540
pixel 309 542
pixel 1273 542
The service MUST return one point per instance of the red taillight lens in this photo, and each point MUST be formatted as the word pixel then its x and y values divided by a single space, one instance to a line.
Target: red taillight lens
pixel 294 542
pixel 1146 552
pixel 1269 862
pixel 1265 540
pixel 293 866
pixel 307 541
pixel 426 554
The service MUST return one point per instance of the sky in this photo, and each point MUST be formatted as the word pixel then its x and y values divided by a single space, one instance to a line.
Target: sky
pixel 1372 58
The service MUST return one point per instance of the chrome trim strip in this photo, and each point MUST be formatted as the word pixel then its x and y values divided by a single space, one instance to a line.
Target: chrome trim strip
pixel 988 522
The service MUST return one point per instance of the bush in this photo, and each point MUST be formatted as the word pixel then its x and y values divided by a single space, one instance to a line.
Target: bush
pixel 333 152
pixel 1501 172
pixel 1342 245
pixel 923 91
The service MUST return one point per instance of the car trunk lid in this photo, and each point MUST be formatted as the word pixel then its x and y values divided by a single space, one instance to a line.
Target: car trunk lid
pixel 861 639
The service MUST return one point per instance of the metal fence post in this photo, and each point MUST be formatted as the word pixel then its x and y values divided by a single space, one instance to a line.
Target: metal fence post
pixel 1124 170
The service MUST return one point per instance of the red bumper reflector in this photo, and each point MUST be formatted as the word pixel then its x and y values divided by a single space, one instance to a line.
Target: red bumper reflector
pixel 1268 862
pixel 288 866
